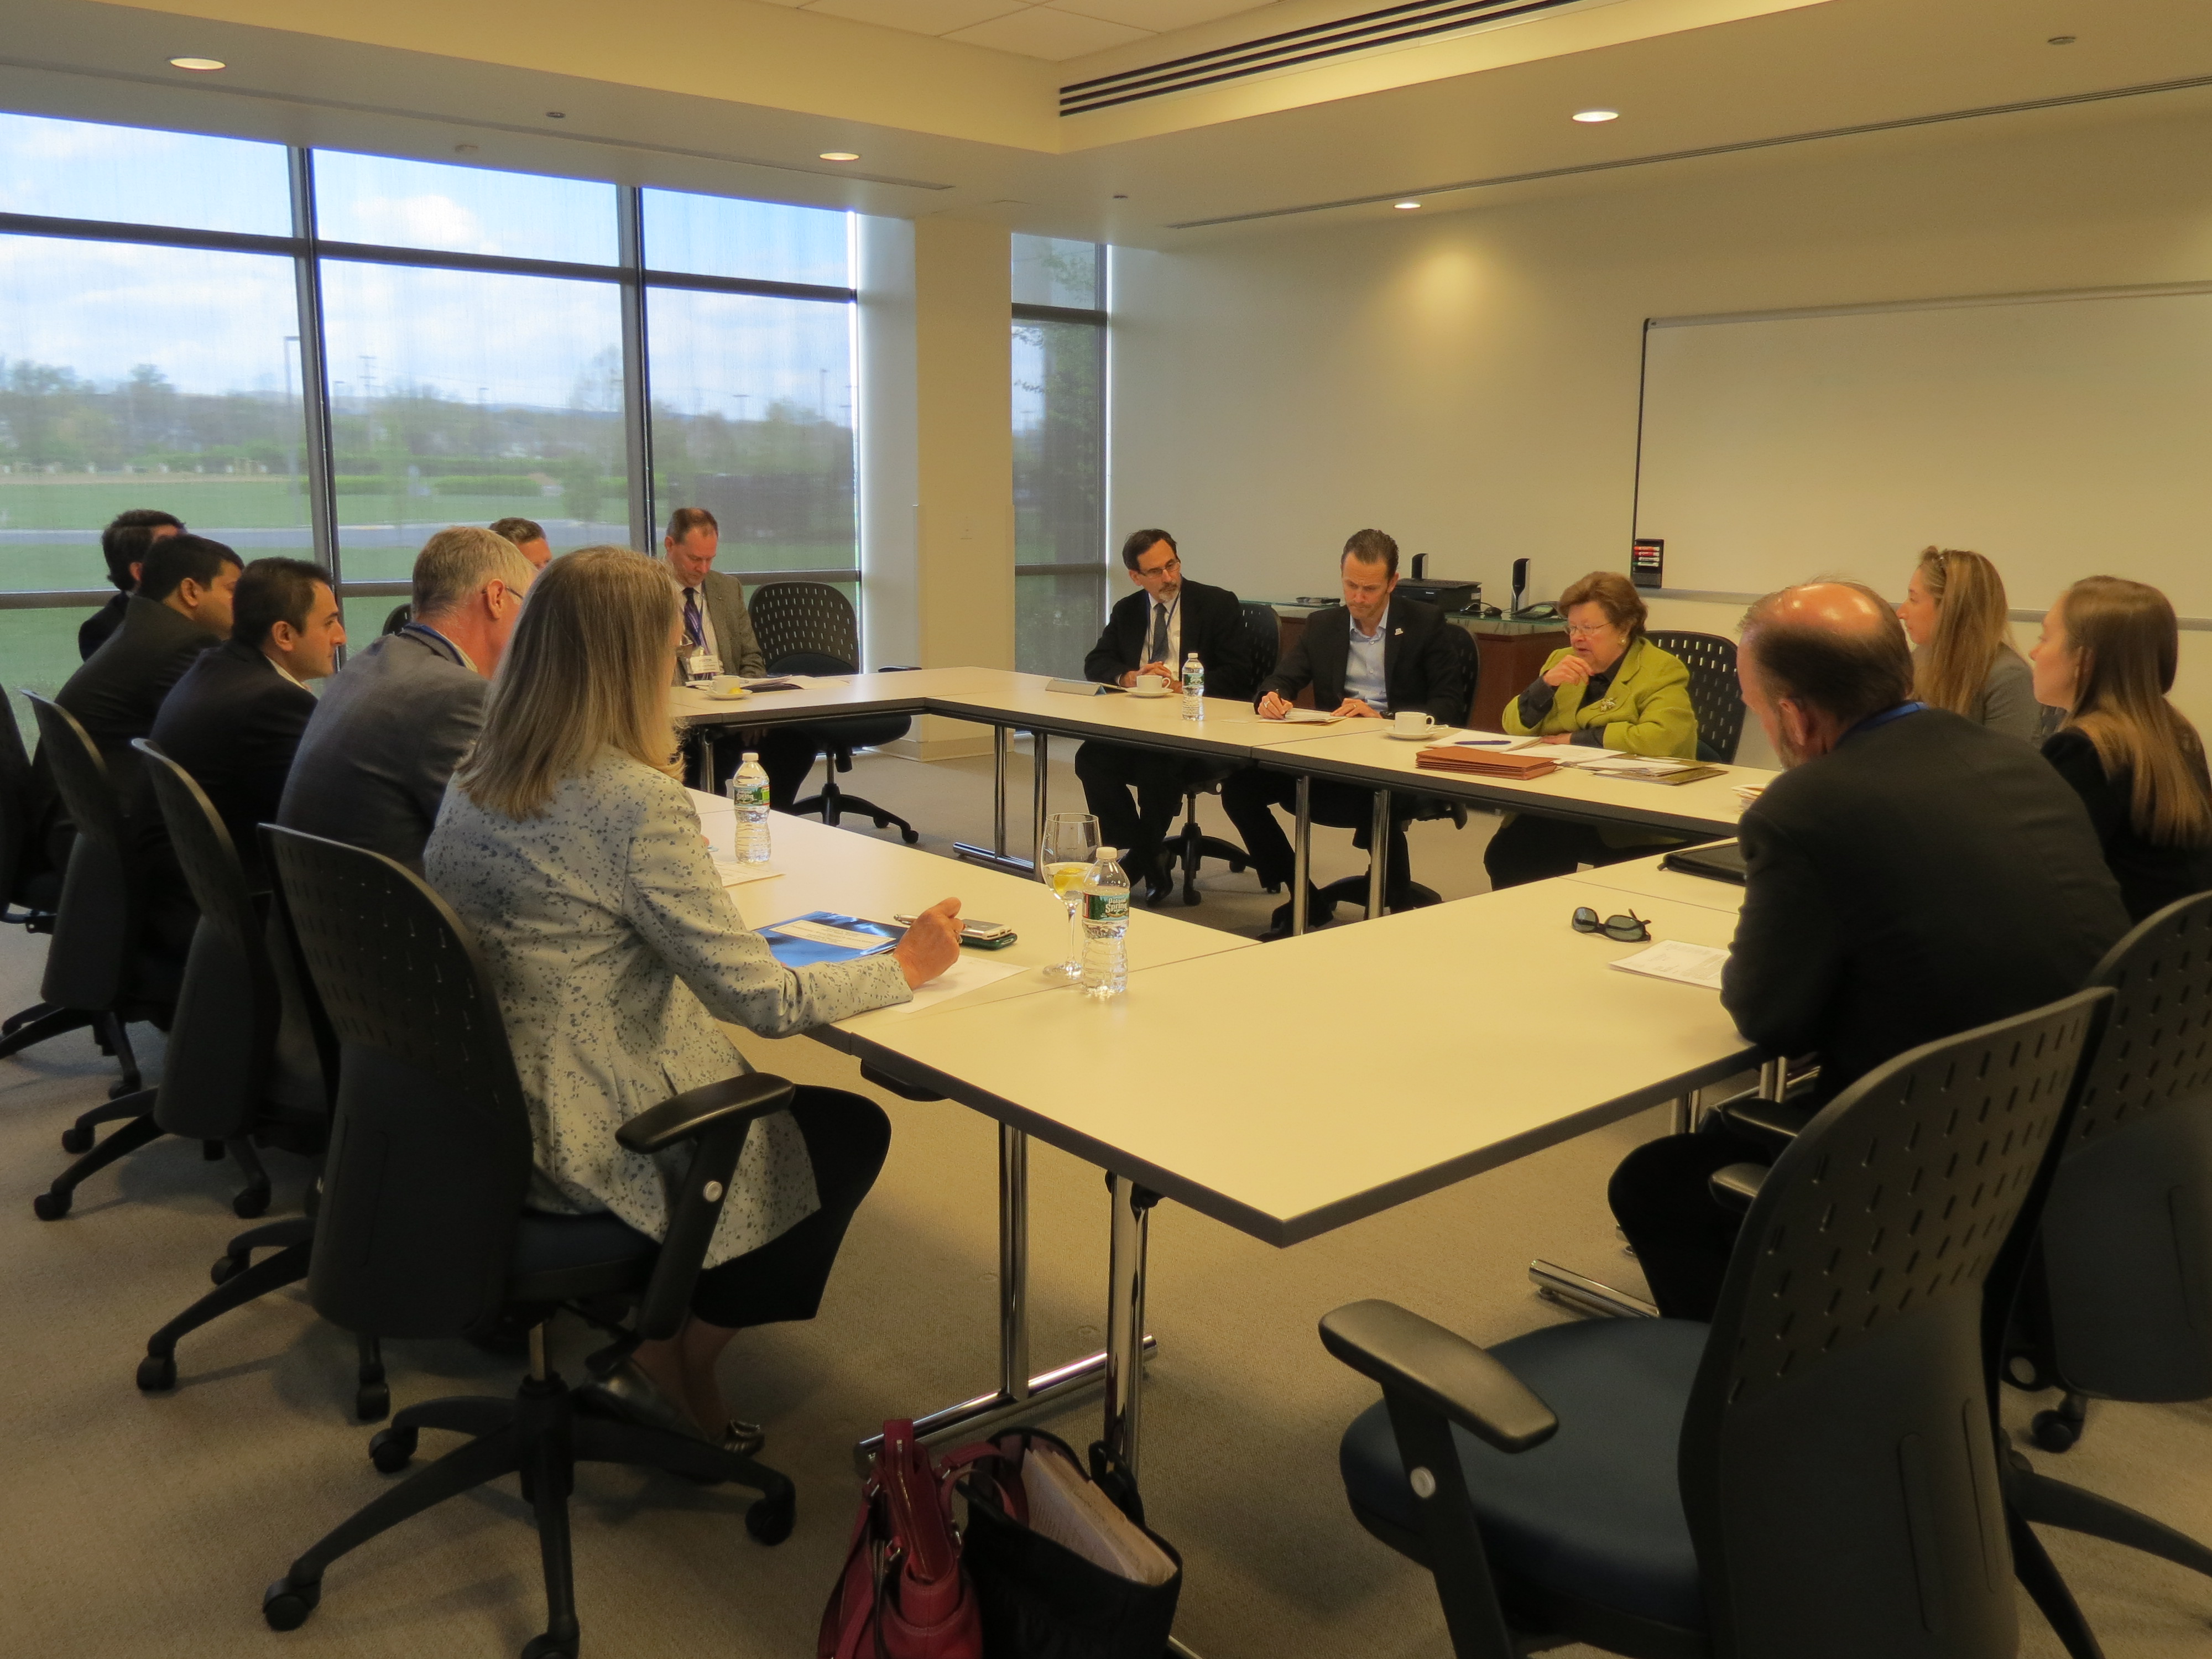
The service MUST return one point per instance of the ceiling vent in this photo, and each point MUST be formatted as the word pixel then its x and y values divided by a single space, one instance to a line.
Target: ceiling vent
pixel 1417 20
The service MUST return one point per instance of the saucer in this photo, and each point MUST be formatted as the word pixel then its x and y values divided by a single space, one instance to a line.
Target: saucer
pixel 734 694
pixel 1139 691
pixel 1429 736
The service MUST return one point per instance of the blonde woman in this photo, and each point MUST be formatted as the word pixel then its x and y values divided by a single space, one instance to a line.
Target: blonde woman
pixel 576 858
pixel 2106 657
pixel 1963 659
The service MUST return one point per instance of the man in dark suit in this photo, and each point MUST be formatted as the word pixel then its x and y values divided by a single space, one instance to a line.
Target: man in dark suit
pixel 235 719
pixel 1135 792
pixel 1371 657
pixel 1912 875
pixel 122 544
pixel 387 732
pixel 717 626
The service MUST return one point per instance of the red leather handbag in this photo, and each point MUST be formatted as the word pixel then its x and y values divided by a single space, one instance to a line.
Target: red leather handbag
pixel 903 1593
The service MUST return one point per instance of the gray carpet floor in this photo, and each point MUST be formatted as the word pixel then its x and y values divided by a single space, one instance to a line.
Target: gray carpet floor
pixel 144 1525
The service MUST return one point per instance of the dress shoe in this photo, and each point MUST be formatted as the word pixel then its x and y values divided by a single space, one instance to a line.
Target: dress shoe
pixel 743 1438
pixel 1318 912
pixel 1160 884
pixel 627 1393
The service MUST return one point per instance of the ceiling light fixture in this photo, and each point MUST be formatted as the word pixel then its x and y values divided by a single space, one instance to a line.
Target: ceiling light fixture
pixel 2061 40
pixel 1404 207
pixel 201 64
pixel 1592 117
pixel 557 114
pixel 841 155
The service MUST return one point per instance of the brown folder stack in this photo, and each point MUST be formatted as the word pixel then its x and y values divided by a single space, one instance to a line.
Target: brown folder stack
pixel 1484 763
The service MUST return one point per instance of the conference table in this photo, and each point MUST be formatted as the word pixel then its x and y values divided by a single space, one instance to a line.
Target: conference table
pixel 1295 1138
pixel 1359 752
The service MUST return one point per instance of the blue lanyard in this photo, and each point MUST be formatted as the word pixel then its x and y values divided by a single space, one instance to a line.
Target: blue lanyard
pixel 1885 718
pixel 437 641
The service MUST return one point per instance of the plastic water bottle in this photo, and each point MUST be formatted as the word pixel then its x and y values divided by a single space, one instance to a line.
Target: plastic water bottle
pixel 1105 927
pixel 1194 688
pixel 749 795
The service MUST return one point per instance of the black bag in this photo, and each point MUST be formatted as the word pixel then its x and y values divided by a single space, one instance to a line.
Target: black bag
pixel 1040 1599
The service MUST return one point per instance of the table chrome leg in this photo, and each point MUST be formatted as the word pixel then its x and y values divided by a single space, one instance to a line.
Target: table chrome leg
pixel 1593 1297
pixel 1125 1318
pixel 998 790
pixel 1686 1111
pixel 1300 854
pixel 1040 790
pixel 1378 853
pixel 1013 1263
pixel 1774 1078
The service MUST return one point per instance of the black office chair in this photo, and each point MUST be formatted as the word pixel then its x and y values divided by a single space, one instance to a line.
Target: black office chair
pixel 422 1231
pixel 397 617
pixel 1353 890
pixel 1715 692
pixel 808 628
pixel 1815 1475
pixel 101 963
pixel 2119 1305
pixel 29 891
pixel 1190 847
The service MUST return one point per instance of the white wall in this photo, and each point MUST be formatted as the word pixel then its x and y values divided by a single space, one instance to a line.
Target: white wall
pixel 1467 380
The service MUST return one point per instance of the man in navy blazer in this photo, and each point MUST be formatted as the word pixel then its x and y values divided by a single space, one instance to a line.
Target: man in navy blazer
pixel 1153 631
pixel 235 719
pixel 1373 656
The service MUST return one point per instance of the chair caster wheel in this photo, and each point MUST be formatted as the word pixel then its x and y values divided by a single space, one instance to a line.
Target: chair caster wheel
pixel 549 1646
pixel 76 1140
pixel 372 1403
pixel 286 1605
pixel 51 1206
pixel 770 1519
pixel 911 837
pixel 253 1201
pixel 157 1373
pixel 2054 1432
pixel 391 1450
pixel 226 1268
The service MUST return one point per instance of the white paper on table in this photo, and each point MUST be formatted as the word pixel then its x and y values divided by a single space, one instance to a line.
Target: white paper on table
pixel 1676 959
pixel 1310 717
pixel 737 875
pixel 1640 766
pixel 967 974
pixel 817 932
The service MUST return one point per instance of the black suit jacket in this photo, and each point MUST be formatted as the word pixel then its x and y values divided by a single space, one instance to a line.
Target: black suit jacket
pixel 93 632
pixel 1213 626
pixel 1422 665
pixel 233 722
pixel 1931 875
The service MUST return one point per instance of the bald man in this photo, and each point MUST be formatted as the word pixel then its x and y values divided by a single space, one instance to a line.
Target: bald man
pixel 1912 875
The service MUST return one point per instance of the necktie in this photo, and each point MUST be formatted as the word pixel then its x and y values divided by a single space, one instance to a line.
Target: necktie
pixel 1158 652
pixel 692 629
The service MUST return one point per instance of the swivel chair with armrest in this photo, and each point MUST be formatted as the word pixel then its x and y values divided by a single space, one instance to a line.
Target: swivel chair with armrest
pixel 101 962
pixel 808 628
pixel 29 892
pixel 1814 1475
pixel 422 1231
pixel 1190 847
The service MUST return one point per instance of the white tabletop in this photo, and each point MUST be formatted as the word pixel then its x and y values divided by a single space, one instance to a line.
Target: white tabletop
pixel 1230 729
pixel 1320 1079
pixel 901 692
pixel 822 868
pixel 1642 878
pixel 1707 806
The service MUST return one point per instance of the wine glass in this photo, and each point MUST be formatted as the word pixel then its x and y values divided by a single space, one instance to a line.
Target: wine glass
pixel 1070 848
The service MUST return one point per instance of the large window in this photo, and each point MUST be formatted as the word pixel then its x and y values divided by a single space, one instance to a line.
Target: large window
pixel 1061 591
pixel 334 355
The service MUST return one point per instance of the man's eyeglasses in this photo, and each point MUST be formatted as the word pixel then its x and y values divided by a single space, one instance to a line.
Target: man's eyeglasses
pixel 1166 569
pixel 1630 928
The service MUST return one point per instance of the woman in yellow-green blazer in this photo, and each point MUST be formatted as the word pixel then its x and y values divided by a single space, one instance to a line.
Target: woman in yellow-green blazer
pixel 1611 688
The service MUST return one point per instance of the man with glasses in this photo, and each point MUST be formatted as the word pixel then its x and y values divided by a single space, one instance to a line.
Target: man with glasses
pixel 1913 874
pixel 1153 631
pixel 1371 657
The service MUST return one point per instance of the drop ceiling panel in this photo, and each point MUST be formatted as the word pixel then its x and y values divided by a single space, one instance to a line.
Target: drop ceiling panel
pixel 1047 31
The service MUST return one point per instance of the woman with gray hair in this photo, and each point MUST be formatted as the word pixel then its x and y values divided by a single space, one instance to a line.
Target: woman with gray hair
pixel 575 858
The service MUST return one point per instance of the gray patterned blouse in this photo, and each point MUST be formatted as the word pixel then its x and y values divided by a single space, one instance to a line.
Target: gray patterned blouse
pixel 613 949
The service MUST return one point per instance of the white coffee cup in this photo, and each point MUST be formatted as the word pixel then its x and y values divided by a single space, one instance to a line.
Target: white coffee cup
pixel 1413 724
pixel 1151 684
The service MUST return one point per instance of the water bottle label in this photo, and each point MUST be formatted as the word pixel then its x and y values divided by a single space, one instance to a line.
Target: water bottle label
pixel 1105 906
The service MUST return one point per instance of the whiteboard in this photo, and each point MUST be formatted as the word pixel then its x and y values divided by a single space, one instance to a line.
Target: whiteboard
pixel 2063 435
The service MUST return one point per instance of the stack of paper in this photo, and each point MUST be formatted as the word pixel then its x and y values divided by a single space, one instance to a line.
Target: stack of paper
pixel 1675 959
pixel 1073 1512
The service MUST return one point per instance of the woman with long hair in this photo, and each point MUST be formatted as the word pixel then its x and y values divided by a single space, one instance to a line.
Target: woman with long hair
pixel 1963 659
pixel 575 855
pixel 2108 657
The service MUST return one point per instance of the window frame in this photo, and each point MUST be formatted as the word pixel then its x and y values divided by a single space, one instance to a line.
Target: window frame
pixel 1097 317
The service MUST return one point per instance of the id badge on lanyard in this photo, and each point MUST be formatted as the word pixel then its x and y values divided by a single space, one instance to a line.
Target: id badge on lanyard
pixel 700 665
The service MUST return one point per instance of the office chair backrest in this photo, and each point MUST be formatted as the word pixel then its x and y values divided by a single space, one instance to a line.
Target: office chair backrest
pixel 96 924
pixel 1468 655
pixel 214 1073
pixel 2127 1235
pixel 1837 1465
pixel 16 808
pixel 1715 692
pixel 430 1154
pixel 794 617
pixel 1263 641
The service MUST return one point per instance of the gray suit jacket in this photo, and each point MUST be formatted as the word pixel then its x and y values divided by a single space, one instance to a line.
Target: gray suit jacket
pixel 724 599
pixel 386 734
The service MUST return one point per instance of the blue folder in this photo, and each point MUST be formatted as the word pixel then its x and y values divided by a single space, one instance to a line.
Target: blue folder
pixel 806 952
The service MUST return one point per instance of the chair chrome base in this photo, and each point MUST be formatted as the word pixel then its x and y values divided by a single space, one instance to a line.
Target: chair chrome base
pixel 1587 1296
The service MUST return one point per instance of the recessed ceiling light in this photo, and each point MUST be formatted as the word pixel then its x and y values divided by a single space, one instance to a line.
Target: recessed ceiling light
pixel 1404 207
pixel 841 155
pixel 202 64
pixel 464 150
pixel 1592 117
pixel 557 114
pixel 2061 40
